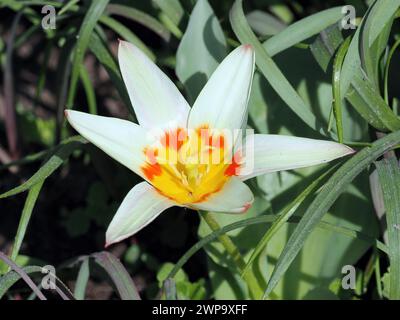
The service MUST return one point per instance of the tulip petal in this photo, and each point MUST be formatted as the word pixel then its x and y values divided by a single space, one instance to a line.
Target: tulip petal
pixel 278 152
pixel 234 197
pixel 222 104
pixel 140 207
pixel 122 140
pixel 155 98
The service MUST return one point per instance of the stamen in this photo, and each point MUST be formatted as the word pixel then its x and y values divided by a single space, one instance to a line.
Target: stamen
pixel 189 170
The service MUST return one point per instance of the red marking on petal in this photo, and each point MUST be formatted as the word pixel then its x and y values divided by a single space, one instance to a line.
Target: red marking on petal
pixel 232 168
pixel 152 170
pixel 246 207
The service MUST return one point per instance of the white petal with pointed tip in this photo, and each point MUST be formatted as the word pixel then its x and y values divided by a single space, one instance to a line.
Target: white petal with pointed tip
pixel 120 139
pixel 278 152
pixel 140 207
pixel 234 197
pixel 155 98
pixel 222 104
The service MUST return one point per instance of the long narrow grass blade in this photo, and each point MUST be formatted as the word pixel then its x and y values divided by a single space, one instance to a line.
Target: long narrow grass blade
pixel 325 199
pixel 10 119
pixel 302 30
pixel 12 277
pixel 127 35
pixel 89 90
pixel 372 105
pixel 82 280
pixel 282 218
pixel 23 275
pixel 387 67
pixel 25 218
pixel 118 274
pixel 337 98
pixel 104 56
pixel 269 219
pixel 172 8
pixel 170 289
pixel 140 17
pixel 389 177
pixel 270 70
pixel 375 32
pixel 51 165
pixel 362 95
pixel 93 14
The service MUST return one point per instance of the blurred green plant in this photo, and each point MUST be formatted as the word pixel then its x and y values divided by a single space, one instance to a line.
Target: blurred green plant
pixel 313 79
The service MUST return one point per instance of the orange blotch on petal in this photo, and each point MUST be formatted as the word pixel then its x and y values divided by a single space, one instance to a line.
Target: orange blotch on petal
pixel 152 170
pixel 233 168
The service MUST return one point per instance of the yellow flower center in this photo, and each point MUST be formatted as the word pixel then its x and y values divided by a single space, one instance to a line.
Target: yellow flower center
pixel 189 167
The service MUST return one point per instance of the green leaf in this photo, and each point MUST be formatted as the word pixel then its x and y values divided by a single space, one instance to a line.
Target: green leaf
pixel 89 90
pixel 89 22
pixel 389 177
pixel 264 23
pixel 104 56
pixel 320 294
pixel 35 129
pixel 265 219
pixel 321 261
pixel 25 218
pixel 170 289
pixel 325 45
pixel 270 70
pixel 376 21
pixel 27 159
pixel 82 280
pixel 387 67
pixel 22 274
pixel 204 33
pixel 172 8
pixel 337 98
pixel 283 217
pixel 376 28
pixel 12 277
pixel 70 4
pixel 385 282
pixel 325 199
pixel 361 93
pixel 118 274
pixel 351 63
pixel 139 17
pixel 381 14
pixel 127 34
pixel 302 30
pixel 266 108
pixel 370 104
pixel 51 165
pixel 165 270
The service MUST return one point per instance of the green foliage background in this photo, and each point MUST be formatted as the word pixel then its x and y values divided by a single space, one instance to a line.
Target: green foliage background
pixel 312 80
